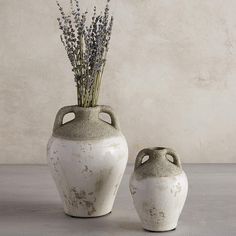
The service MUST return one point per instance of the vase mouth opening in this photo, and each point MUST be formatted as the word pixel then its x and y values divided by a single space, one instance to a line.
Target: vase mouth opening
pixel 87 108
pixel 158 148
pixel 159 151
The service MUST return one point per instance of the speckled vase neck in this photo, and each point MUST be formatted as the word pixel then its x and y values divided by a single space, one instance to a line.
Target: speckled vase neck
pixel 90 113
pixel 87 124
pixel 158 164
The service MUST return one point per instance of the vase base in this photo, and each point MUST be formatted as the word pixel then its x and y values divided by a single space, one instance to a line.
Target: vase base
pixel 159 231
pixel 87 217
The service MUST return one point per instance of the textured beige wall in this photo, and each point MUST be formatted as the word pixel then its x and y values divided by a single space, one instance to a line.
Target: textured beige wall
pixel 171 77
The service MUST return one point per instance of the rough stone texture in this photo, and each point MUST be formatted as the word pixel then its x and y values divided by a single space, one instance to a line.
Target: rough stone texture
pixel 170 76
pixel 30 205
pixel 87 124
pixel 158 163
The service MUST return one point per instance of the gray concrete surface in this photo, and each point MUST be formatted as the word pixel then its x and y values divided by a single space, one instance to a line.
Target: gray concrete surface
pixel 30 205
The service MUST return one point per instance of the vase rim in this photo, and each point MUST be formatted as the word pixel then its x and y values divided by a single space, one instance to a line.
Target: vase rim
pixel 86 108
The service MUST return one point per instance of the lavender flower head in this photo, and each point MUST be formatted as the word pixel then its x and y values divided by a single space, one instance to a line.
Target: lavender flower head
pixel 86 46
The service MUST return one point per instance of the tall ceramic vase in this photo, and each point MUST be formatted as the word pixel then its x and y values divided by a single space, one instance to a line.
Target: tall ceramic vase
pixel 87 157
pixel 159 188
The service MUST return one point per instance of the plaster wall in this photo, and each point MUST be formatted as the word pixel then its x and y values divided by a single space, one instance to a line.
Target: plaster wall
pixel 170 76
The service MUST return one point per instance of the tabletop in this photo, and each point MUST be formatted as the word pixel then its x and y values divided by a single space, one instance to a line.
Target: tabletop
pixel 30 205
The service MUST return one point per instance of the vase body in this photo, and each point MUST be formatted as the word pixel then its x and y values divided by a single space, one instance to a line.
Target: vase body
pixel 159 189
pixel 87 157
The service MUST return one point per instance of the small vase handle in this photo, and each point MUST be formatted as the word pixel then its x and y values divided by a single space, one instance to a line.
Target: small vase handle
pixel 176 159
pixel 60 115
pixel 108 110
pixel 140 156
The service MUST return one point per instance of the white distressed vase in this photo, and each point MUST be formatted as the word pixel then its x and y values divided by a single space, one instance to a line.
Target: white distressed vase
pixel 87 157
pixel 159 188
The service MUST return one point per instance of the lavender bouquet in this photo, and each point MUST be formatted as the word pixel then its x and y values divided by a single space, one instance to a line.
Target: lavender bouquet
pixel 86 46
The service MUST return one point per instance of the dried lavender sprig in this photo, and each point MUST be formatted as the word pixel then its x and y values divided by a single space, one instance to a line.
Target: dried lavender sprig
pixel 86 47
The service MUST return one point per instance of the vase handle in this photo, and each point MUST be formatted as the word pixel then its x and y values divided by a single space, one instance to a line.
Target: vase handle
pixel 176 159
pixel 108 110
pixel 140 156
pixel 60 115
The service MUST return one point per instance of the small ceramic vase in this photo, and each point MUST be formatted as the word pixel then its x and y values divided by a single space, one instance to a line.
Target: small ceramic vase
pixel 159 188
pixel 87 157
